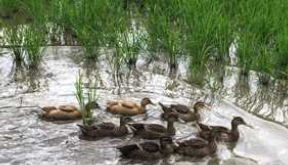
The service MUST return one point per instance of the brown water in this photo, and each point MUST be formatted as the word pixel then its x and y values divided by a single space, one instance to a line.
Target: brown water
pixel 25 139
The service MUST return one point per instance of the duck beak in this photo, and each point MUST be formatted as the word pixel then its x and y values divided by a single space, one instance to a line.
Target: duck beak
pixel 208 106
pixel 248 125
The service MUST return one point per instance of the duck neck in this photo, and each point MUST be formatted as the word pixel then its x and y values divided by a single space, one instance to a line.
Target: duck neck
pixel 170 127
pixel 143 106
pixel 213 145
pixel 196 110
pixel 122 123
pixel 234 127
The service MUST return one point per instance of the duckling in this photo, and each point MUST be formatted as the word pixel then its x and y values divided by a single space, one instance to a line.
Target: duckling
pixel 106 129
pixel 199 148
pixel 183 111
pixel 64 112
pixel 149 150
pixel 125 107
pixel 226 134
pixel 155 131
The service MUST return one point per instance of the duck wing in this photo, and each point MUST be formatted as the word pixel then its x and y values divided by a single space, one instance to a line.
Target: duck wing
pixel 194 143
pixel 137 127
pixel 67 108
pixel 48 108
pixel 128 105
pixel 180 108
pixel 106 126
pixel 150 146
pixel 156 128
pixel 219 129
pixel 203 127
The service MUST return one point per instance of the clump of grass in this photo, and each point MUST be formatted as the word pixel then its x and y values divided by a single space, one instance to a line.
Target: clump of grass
pixel 87 113
pixel 8 7
pixel 14 36
pixel 208 31
pixel 33 43
pixel 163 29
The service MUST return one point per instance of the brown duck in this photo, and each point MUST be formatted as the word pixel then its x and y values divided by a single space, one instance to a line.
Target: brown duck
pixel 225 134
pixel 183 111
pixel 64 112
pixel 155 131
pixel 149 150
pixel 198 147
pixel 105 129
pixel 126 107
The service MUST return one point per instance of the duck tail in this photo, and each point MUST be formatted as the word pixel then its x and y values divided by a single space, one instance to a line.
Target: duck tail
pixel 48 109
pixel 164 108
pixel 83 129
pixel 202 127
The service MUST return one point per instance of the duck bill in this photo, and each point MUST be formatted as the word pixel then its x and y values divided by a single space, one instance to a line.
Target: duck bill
pixel 249 126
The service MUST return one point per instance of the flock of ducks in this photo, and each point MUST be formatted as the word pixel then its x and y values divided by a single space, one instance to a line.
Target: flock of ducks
pixel 163 144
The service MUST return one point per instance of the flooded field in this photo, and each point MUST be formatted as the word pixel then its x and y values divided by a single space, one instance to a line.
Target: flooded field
pixel 26 139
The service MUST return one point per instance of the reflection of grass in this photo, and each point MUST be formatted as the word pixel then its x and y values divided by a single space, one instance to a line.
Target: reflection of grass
pixel 87 112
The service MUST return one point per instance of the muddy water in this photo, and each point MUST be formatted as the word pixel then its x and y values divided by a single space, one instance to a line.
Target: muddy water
pixel 25 139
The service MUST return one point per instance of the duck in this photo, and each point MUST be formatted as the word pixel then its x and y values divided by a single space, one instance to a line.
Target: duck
pixel 183 111
pixel 106 129
pixel 149 150
pixel 155 131
pixel 127 107
pixel 226 134
pixel 198 148
pixel 64 112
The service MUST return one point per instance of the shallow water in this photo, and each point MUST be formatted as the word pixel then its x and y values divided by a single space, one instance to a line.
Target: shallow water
pixel 25 139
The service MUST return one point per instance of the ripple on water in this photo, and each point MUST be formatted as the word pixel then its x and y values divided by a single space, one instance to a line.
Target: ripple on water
pixel 25 139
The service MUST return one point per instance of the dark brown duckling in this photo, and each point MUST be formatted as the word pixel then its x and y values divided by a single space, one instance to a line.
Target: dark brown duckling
pixel 106 129
pixel 183 111
pixel 149 150
pixel 155 131
pixel 225 134
pixel 199 148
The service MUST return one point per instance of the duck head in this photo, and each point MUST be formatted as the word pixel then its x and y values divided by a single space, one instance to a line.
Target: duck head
pixel 173 117
pixel 125 120
pixel 239 121
pixel 199 105
pixel 166 140
pixel 145 101
pixel 92 105
pixel 167 145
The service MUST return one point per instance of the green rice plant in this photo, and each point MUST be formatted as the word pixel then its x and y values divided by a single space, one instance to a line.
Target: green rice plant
pixel 257 33
pixel 163 29
pixel 34 39
pixel 264 65
pixel 130 42
pixel 14 36
pixel 8 7
pixel 87 113
pixel 36 10
pixel 281 51
pixel 245 52
pixel 79 90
